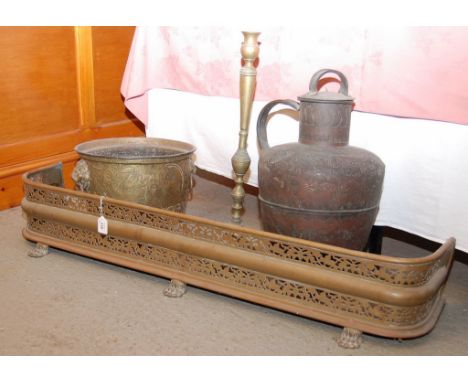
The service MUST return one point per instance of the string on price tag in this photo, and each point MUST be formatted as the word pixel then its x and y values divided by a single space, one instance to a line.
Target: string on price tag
pixel 102 226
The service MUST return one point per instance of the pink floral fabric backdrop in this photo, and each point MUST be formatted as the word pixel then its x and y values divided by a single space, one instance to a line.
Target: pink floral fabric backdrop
pixel 417 72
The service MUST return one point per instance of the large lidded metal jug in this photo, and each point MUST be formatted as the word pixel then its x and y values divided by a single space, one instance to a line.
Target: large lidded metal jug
pixel 319 188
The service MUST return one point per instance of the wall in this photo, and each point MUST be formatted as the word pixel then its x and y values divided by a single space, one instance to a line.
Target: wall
pixel 59 86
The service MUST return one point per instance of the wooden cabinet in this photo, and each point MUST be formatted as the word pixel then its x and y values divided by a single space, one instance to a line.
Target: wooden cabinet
pixel 59 86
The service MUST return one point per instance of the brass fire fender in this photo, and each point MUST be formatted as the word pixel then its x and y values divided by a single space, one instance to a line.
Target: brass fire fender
pixel 387 296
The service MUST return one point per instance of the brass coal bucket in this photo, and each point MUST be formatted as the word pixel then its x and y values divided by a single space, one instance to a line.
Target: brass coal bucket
pixel 150 171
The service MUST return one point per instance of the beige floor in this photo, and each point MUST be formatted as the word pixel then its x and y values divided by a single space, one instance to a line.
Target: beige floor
pixel 64 304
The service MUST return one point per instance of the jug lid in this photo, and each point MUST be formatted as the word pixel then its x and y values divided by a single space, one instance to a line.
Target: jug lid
pixel 313 95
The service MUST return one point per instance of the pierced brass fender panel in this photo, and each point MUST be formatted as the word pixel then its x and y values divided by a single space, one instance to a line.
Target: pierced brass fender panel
pixel 383 295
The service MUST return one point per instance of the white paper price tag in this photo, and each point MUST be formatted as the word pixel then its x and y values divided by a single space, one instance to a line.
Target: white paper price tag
pixel 102 225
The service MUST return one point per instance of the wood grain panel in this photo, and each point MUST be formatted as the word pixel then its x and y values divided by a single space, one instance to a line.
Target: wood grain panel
pixel 38 92
pixel 111 46
pixel 51 96
pixel 85 74
pixel 33 149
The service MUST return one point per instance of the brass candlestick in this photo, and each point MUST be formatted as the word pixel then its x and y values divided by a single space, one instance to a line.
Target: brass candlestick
pixel 241 160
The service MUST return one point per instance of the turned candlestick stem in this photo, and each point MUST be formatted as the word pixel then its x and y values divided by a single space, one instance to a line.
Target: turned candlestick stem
pixel 241 160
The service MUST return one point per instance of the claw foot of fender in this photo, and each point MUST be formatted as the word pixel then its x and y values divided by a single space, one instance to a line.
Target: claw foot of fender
pixel 176 288
pixel 350 338
pixel 40 250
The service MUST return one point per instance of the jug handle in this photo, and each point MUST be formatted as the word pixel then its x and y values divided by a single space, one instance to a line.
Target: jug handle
pixel 316 77
pixel 262 121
